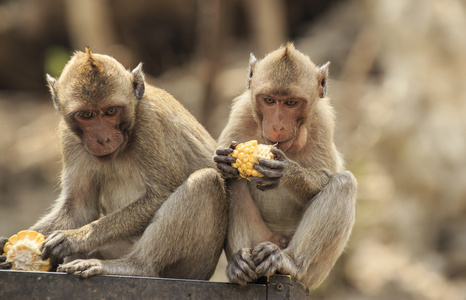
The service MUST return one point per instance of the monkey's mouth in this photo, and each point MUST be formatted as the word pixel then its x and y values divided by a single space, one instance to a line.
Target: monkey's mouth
pixel 106 157
pixel 103 158
pixel 282 145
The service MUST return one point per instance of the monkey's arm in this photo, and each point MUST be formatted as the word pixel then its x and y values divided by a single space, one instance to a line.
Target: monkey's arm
pixel 321 236
pixel 303 182
pixel 128 221
pixel 67 213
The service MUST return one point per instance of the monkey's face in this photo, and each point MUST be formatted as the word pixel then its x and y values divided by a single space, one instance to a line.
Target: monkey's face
pixel 97 97
pixel 100 131
pixel 281 119
pixel 285 87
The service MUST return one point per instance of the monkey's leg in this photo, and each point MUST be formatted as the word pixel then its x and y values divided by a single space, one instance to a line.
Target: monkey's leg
pixel 320 237
pixel 184 240
pixel 246 229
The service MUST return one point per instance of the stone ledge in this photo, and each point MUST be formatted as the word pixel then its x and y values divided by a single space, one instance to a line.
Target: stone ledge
pixel 40 285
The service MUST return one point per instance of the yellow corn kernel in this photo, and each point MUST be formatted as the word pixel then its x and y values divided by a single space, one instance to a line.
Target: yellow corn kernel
pixel 22 250
pixel 247 154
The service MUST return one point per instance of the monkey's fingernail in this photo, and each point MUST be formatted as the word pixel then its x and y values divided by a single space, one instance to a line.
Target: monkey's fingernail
pixel 233 144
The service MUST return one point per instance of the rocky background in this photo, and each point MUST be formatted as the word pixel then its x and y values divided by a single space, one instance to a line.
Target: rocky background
pixel 398 84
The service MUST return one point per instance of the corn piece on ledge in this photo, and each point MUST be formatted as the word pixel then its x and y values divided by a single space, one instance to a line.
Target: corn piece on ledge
pixel 22 250
pixel 247 154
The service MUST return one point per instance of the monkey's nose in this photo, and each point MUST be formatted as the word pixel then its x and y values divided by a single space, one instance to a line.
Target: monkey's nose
pixel 278 128
pixel 103 141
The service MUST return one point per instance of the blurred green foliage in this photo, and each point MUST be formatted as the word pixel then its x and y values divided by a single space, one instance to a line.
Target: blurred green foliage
pixel 55 59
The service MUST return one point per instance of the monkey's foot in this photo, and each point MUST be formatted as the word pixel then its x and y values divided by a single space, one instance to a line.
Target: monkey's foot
pixel 85 267
pixel 268 258
pixel 241 268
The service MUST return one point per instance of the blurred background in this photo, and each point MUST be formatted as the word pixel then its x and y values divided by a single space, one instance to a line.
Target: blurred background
pixel 398 84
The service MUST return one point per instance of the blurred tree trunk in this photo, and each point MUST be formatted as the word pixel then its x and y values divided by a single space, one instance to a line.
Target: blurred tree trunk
pixel 268 22
pixel 90 24
pixel 211 32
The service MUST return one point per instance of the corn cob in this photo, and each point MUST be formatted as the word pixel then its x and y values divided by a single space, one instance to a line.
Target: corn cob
pixel 247 154
pixel 22 250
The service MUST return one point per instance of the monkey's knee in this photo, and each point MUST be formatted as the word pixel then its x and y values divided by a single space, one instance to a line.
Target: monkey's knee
pixel 344 183
pixel 207 182
pixel 207 176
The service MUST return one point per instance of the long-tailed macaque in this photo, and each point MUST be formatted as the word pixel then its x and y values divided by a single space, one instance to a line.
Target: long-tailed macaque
pixel 140 192
pixel 297 219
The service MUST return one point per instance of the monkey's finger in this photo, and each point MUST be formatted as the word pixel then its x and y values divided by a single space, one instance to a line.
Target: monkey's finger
pixel 5 265
pixel 239 272
pixel 58 252
pixel 246 257
pixel 272 164
pixel 243 278
pixel 67 269
pixel 261 251
pixel 70 268
pixel 223 151
pixel 46 250
pixel 233 144
pixel 227 170
pixel 61 268
pixel 266 181
pixel 267 267
pixel 224 159
pixel 3 241
pixel 267 187
pixel 279 154
pixel 56 261
pixel 246 275
pixel 2 258
pixel 92 271
pixel 267 172
pixel 239 280
pixel 272 261
pixel 54 241
pixel 260 256
pixel 245 265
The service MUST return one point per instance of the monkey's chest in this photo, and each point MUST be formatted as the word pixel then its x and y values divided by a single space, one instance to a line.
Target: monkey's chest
pixel 278 209
pixel 119 190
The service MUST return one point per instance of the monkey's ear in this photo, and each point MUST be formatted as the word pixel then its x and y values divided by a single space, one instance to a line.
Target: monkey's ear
pixel 252 66
pixel 323 78
pixel 51 82
pixel 138 82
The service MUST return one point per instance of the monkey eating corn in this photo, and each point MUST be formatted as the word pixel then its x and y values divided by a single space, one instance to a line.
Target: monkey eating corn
pixel 22 250
pixel 247 154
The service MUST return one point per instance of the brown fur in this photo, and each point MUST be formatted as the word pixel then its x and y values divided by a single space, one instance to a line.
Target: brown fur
pixel 156 209
pixel 309 209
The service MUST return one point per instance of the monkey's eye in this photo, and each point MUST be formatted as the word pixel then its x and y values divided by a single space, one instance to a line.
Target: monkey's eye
pixel 111 111
pixel 86 115
pixel 269 100
pixel 291 103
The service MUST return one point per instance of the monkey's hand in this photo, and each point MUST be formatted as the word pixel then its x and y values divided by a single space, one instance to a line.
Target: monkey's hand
pixel 241 268
pixel 3 264
pixel 62 243
pixel 270 259
pixel 273 170
pixel 85 267
pixel 224 161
